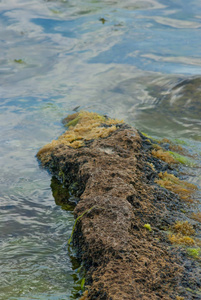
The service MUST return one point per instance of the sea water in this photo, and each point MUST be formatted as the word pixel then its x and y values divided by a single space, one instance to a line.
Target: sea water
pixel 134 60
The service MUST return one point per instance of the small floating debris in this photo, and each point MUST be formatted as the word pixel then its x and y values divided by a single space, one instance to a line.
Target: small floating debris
pixel 103 20
pixel 19 61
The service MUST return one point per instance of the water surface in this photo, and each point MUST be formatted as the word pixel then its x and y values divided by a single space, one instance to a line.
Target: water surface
pixel 135 60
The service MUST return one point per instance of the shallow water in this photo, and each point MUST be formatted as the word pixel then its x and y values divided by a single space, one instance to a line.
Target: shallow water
pixel 135 60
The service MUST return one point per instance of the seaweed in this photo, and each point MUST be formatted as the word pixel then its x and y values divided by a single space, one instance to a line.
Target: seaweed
pixel 179 298
pixel 181 239
pixel 82 127
pixel 78 218
pixel 19 61
pixel 164 155
pixel 194 252
pixel 148 227
pixel 182 159
pixel 182 234
pixel 183 188
pixel 196 216
pixel 184 228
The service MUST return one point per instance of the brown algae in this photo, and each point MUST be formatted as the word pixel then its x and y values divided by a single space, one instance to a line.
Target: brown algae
pixel 174 147
pixel 82 126
pixel 175 155
pixel 182 232
pixel 196 216
pixel 171 157
pixel 181 239
pixel 163 155
pixel 183 188
pixel 184 228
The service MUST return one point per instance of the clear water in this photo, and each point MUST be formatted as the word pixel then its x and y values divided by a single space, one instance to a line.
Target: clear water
pixel 123 58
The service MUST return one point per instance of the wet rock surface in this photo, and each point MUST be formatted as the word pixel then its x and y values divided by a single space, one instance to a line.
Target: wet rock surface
pixel 114 180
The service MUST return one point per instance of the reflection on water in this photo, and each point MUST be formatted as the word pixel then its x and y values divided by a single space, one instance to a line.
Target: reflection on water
pixel 136 60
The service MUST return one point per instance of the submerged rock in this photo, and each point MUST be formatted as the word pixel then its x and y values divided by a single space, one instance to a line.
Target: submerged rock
pixel 114 174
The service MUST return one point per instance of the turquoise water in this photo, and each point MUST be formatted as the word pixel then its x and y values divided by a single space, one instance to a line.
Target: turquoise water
pixel 135 60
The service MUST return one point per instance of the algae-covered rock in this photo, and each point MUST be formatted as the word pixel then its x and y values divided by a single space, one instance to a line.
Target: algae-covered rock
pixel 110 166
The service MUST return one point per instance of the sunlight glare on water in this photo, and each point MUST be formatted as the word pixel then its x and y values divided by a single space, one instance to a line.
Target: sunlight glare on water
pixel 135 60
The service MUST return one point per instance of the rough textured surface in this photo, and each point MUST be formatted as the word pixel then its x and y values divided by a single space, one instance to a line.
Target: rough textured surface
pixel 115 177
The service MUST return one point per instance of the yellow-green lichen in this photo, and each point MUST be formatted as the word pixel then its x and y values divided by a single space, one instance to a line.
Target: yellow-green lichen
pixel 182 188
pixel 82 126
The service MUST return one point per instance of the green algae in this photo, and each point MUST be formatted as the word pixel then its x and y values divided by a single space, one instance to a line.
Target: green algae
pixel 182 159
pixel 194 252
pixel 78 218
pixel 148 227
pixel 82 283
pixel 55 11
pixel 198 292
pixel 181 142
pixel 61 195
pixel 73 122
pixel 171 156
pixel 150 137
